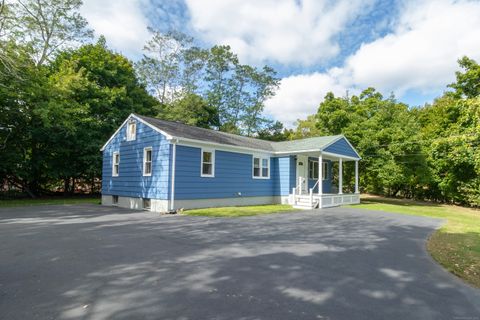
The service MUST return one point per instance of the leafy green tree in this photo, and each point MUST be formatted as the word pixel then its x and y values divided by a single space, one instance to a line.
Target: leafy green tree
pixel 46 26
pixel 468 82
pixel 101 89
pixel 192 110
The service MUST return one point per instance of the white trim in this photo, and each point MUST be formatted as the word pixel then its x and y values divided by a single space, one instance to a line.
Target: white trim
pixel 212 151
pixel 336 140
pixel 115 174
pixel 325 170
pixel 320 173
pixel 144 161
pixel 313 162
pixel 261 166
pixel 340 176
pixel 130 136
pixel 336 155
pixel 168 136
pixel 356 178
pixel 172 191
pixel 333 141
pixel 297 151
pixel 219 146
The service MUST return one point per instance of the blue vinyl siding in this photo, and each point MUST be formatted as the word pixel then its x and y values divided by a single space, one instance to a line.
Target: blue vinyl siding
pixel 285 176
pixel 341 147
pixel 327 183
pixel 233 175
pixel 130 181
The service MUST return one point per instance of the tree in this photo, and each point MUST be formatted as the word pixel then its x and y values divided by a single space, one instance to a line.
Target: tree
pixel 176 70
pixel 468 82
pixel 192 110
pixel 160 67
pixel 101 88
pixel 46 26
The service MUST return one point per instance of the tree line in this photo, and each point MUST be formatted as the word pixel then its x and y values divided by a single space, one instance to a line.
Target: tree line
pixel 62 96
pixel 429 153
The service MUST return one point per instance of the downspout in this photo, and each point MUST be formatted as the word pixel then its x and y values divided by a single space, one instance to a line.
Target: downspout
pixel 172 192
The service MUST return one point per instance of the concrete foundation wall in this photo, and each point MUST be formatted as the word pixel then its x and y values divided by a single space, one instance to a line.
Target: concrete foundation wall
pixel 156 205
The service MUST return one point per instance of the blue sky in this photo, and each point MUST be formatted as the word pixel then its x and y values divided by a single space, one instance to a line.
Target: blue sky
pixel 406 47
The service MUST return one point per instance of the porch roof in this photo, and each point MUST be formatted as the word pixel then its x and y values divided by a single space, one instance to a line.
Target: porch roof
pixel 316 143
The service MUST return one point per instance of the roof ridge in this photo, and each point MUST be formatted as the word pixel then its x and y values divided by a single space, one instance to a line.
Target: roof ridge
pixel 205 129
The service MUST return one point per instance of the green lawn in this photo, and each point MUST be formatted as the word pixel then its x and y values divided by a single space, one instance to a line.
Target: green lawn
pixel 240 211
pixel 44 201
pixel 456 245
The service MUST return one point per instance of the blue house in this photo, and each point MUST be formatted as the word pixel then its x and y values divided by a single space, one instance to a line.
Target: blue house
pixel 159 165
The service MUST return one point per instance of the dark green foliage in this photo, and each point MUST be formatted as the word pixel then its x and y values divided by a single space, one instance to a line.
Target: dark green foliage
pixel 55 119
pixel 425 153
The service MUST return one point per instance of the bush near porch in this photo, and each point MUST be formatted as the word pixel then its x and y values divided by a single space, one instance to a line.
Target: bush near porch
pixel 456 245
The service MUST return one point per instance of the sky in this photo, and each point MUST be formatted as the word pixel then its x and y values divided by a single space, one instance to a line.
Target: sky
pixel 408 48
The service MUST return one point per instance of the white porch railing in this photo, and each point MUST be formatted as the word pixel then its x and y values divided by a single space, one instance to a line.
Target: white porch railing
pixel 311 200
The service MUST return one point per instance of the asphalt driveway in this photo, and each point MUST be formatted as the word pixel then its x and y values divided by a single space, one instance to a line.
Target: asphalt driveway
pixel 92 262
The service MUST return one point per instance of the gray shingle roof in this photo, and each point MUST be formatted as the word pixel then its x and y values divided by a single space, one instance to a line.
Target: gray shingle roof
pixel 180 130
pixel 315 143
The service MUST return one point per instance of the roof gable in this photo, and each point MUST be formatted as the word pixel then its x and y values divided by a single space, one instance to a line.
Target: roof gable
pixel 133 116
pixel 342 147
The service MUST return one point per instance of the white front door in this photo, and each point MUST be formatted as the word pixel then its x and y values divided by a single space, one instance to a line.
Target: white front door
pixel 302 174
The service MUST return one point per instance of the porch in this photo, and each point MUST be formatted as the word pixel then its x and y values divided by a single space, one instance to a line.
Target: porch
pixel 314 186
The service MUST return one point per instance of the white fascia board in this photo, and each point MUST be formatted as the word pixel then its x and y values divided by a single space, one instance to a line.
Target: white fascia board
pixel 167 135
pixel 113 135
pixel 339 138
pixel 294 152
pixel 335 155
pixel 220 146
pixel 333 141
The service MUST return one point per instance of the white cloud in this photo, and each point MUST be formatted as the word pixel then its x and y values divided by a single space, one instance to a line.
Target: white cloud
pixel 300 95
pixel 420 54
pixel 123 23
pixel 284 31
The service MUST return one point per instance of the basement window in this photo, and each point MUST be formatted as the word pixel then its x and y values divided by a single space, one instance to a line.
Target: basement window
pixel 146 204
pixel 114 200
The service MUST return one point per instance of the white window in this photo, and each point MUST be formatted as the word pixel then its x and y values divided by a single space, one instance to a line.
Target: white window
pixel 261 168
pixel 116 164
pixel 146 204
pixel 208 163
pixel 147 161
pixel 131 130
pixel 313 170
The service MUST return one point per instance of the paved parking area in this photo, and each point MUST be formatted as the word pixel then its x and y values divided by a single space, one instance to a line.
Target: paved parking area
pixel 93 262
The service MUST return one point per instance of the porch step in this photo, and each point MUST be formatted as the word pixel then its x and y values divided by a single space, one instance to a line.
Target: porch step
pixel 306 205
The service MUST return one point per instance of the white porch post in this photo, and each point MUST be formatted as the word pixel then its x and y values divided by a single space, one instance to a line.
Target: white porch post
pixel 356 176
pixel 340 176
pixel 320 174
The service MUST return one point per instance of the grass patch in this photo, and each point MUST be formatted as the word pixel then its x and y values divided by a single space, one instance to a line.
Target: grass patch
pixel 48 201
pixel 456 246
pixel 240 211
